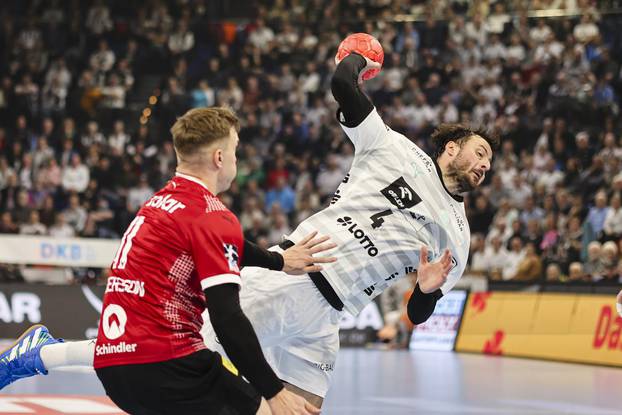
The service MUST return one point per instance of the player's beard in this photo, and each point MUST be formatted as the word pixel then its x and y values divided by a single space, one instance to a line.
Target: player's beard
pixel 459 171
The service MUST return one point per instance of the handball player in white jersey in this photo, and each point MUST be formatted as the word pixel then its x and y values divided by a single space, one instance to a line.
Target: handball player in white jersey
pixel 397 211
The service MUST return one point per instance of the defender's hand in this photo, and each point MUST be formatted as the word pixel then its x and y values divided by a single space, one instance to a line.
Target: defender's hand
pixel 432 275
pixel 288 403
pixel 299 259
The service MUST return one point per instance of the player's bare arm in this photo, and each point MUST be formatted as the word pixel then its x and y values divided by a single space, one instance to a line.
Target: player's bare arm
pixel 430 277
pixel 300 259
pixel 297 260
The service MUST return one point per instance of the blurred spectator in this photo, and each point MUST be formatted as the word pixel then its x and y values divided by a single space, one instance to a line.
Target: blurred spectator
pixel 513 258
pixel 610 259
pixel 530 265
pixel 480 218
pixel 282 194
pixel 75 214
pixel 138 195
pixel 76 175
pixel 554 274
pixel 531 211
pixel 7 225
pixel 33 226
pixel 330 177
pixel 279 228
pixel 576 273
pixel 594 267
pixel 182 40
pixel 118 139
pixel 586 31
pixel 597 213
pixel 204 95
pixel 103 59
pixel 612 227
pixel 60 228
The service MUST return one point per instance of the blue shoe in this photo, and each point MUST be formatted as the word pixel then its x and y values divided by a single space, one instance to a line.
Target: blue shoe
pixel 22 359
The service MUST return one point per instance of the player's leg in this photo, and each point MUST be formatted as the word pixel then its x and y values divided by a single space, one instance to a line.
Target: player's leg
pixel 24 358
pixel 195 384
pixel 74 353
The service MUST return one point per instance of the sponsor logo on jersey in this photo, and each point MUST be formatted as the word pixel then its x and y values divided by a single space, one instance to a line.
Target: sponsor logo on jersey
pixel 166 203
pixel 122 347
pixel 122 285
pixel 336 197
pixel 231 254
pixel 359 234
pixel 459 217
pixel 425 159
pixel 325 367
pixel 370 290
pixel 392 276
pixel 400 194
pixel 113 322
pixel 454 262
pixel 213 204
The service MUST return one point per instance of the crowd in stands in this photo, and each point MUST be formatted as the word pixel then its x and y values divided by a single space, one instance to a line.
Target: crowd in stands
pixel 77 158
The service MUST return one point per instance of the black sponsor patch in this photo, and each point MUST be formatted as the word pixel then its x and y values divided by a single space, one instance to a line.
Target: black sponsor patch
pixel 401 194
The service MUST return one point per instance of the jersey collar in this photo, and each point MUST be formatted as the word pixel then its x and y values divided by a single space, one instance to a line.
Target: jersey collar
pixel 440 176
pixel 192 179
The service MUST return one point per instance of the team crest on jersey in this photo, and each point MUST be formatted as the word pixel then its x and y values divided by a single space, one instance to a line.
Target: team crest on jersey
pixel 231 254
pixel 400 194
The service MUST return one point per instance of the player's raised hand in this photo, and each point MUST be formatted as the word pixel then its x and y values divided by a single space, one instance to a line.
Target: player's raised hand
pixel 288 403
pixel 370 65
pixel 299 258
pixel 432 275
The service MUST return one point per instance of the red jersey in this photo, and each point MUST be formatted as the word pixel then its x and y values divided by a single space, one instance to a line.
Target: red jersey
pixel 182 241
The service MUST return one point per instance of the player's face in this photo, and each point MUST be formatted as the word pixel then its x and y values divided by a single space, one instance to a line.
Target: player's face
pixel 229 159
pixel 472 163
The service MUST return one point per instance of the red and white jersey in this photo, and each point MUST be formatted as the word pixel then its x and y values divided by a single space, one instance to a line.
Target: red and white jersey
pixel 182 241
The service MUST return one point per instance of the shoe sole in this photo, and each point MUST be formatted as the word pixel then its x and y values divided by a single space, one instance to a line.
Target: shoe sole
pixel 22 337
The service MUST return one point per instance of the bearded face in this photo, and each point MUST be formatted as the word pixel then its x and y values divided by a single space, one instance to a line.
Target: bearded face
pixel 461 169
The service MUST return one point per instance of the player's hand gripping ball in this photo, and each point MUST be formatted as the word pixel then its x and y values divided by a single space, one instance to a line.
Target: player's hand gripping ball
pixel 367 46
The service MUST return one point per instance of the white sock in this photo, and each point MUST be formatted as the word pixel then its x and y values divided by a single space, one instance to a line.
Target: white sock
pixel 68 354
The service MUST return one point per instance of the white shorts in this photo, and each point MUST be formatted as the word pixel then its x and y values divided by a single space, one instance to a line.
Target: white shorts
pixel 297 329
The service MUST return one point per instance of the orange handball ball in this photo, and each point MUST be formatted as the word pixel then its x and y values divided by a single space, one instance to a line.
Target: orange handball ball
pixel 365 45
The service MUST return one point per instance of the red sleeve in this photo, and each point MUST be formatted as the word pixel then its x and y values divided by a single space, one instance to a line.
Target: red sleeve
pixel 216 247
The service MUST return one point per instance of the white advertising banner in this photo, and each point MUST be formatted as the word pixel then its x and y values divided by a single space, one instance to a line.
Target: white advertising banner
pixel 69 252
pixel 439 332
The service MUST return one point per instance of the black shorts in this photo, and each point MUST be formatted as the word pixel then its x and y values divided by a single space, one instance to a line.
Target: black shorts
pixel 193 384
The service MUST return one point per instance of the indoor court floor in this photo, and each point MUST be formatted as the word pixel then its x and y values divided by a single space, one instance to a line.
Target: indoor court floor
pixel 392 383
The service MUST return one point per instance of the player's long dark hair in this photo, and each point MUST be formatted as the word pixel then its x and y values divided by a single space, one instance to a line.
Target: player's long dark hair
pixel 459 133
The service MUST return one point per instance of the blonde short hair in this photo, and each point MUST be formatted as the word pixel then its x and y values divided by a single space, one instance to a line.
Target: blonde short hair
pixel 200 127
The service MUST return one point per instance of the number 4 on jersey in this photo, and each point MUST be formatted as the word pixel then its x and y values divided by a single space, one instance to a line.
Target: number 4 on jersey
pixel 376 218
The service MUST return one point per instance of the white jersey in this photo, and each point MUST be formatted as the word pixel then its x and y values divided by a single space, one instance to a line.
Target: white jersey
pixel 390 203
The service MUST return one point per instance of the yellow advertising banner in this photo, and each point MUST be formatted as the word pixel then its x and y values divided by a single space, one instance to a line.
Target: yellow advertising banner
pixel 570 327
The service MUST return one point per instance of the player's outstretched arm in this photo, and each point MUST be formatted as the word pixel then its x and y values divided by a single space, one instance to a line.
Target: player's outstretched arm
pixel 239 340
pixel 430 277
pixel 354 105
pixel 296 260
